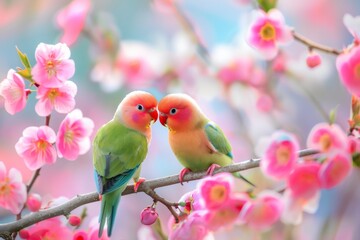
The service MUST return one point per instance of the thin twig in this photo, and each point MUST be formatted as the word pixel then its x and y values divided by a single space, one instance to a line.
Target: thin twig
pixel 66 208
pixel 314 45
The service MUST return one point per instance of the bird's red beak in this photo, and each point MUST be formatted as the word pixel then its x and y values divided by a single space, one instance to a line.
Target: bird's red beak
pixel 154 114
pixel 163 119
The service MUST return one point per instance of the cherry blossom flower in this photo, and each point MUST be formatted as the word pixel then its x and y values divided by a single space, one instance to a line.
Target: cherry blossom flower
pixel 267 31
pixel 280 156
pixel 193 227
pixel 12 89
pixel 72 20
pixel 73 138
pixel 36 146
pixel 53 66
pixel 33 202
pixel 325 138
pixel 262 212
pixel 335 169
pixel 216 190
pixel 192 201
pixel 303 182
pixel 51 228
pixel 61 99
pixel 348 66
pixel 12 189
pixel 227 214
pixel 295 206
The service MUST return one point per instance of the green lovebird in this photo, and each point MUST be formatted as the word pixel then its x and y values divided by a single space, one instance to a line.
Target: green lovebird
pixel 198 143
pixel 119 148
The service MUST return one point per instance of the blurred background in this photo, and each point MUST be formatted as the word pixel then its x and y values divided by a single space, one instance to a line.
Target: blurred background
pixel 141 44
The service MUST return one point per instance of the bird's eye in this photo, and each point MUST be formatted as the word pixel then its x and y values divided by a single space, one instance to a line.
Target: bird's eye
pixel 140 107
pixel 173 111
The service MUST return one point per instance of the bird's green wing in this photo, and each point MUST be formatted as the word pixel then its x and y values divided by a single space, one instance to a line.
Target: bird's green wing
pixel 217 139
pixel 117 153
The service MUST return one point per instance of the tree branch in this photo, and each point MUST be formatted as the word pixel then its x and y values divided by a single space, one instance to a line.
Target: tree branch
pixel 313 45
pixel 79 200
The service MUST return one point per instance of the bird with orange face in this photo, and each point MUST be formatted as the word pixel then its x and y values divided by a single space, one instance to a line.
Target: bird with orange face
pixel 198 143
pixel 119 148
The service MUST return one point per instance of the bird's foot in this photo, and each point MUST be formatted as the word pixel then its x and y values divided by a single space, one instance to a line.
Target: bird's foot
pixel 138 183
pixel 182 174
pixel 100 197
pixel 211 169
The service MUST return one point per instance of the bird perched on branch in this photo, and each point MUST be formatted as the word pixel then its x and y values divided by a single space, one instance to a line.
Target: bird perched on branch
pixel 119 148
pixel 198 143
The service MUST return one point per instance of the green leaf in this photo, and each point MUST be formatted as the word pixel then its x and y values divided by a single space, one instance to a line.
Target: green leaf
pixel 356 159
pixel 266 5
pixel 23 58
pixel 25 73
pixel 332 115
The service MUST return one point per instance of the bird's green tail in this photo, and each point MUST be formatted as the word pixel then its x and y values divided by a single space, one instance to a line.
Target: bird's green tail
pixel 238 175
pixel 109 205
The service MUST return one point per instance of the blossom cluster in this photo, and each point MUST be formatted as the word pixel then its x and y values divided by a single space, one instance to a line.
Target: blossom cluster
pixel 215 205
pixel 306 177
pixel 38 146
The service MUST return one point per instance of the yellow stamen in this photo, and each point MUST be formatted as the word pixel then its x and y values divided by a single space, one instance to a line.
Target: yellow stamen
pixel 50 68
pixel 282 155
pixel 217 193
pixel 52 94
pixel 325 141
pixel 267 32
pixel 69 136
pixel 5 187
pixel 41 145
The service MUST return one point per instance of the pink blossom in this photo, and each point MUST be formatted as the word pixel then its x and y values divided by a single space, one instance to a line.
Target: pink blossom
pixel 36 146
pixel 335 169
pixel 12 89
pixel 226 214
pixel 12 189
pixel 193 227
pixel 267 31
pixel 294 207
pixel 348 66
pixel 53 66
pixel 216 190
pixel 73 138
pixel 51 228
pixel 192 201
pixel 313 60
pixel 325 138
pixel 280 156
pixel 263 212
pixel 61 99
pixel 72 19
pixel 80 235
pixel 303 182
pixel 148 216
pixel 33 202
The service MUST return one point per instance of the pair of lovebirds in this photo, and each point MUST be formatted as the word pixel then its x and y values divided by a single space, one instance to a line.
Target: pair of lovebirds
pixel 121 145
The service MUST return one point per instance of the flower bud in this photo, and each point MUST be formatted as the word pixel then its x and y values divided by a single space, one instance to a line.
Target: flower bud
pixel 74 220
pixel 313 60
pixel 33 203
pixel 148 216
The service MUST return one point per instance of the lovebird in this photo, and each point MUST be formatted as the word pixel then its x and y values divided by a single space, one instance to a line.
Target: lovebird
pixel 198 143
pixel 119 148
